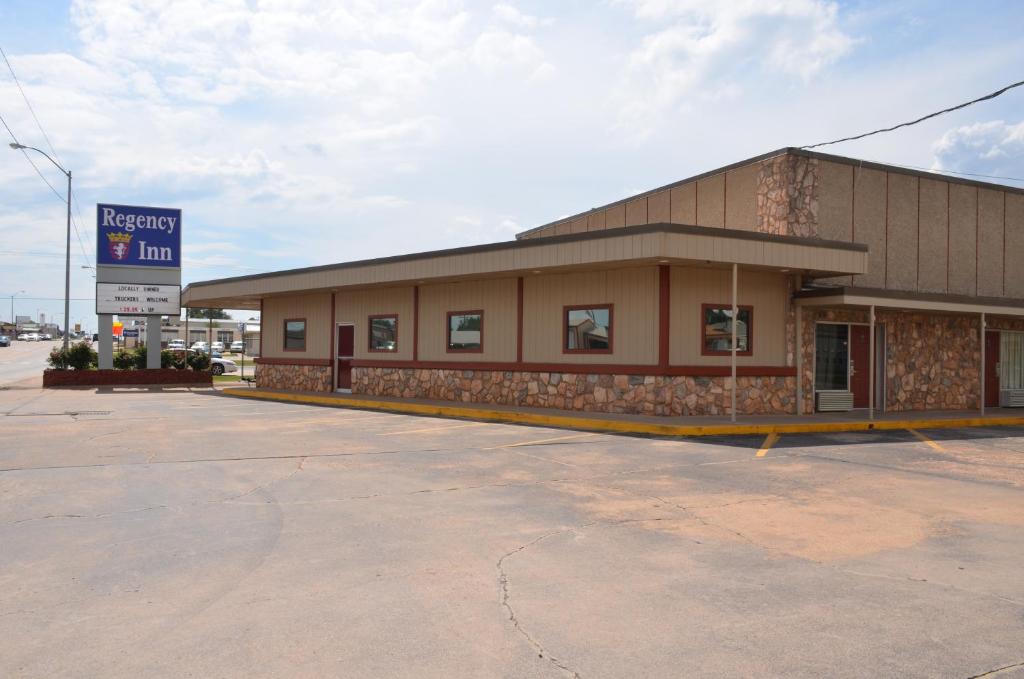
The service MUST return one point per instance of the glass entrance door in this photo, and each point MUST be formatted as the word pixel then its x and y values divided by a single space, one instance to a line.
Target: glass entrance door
pixel 831 357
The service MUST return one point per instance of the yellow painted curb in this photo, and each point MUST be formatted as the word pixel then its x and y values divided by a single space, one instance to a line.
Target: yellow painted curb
pixel 618 426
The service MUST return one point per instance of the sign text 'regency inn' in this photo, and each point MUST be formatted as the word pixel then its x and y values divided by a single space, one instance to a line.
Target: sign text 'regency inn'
pixel 138 236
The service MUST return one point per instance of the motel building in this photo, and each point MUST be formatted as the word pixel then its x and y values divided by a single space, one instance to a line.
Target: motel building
pixel 844 285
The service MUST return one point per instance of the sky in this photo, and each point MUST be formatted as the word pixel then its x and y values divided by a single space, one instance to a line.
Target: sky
pixel 294 133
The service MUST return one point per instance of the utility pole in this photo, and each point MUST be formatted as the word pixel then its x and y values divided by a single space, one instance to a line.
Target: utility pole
pixel 67 253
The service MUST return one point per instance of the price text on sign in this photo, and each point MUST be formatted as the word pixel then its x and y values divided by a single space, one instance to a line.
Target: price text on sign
pixel 138 298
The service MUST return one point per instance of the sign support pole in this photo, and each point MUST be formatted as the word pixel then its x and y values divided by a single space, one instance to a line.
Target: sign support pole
pixel 152 342
pixel 106 341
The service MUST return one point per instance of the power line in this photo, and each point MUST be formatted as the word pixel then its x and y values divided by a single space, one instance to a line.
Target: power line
pixel 29 104
pixel 993 95
pixel 53 150
pixel 24 152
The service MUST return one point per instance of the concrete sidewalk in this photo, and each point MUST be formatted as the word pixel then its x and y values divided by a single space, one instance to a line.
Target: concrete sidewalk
pixel 647 424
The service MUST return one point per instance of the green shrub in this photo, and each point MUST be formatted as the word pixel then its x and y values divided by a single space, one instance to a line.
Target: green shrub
pixel 79 356
pixel 139 358
pixel 124 360
pixel 172 359
pixel 58 359
pixel 199 361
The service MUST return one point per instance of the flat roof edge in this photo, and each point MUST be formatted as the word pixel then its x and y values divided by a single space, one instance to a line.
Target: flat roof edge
pixel 883 293
pixel 664 227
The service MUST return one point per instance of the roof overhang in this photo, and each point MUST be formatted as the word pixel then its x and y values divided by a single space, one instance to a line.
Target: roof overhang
pixel 648 244
pixel 909 301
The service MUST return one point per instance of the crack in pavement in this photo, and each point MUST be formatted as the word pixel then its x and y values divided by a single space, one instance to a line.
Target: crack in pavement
pixel 503 584
pixel 88 516
pixel 998 670
pixel 262 486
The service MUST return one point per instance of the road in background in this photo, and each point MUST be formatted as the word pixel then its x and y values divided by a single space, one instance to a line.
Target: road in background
pixel 24 360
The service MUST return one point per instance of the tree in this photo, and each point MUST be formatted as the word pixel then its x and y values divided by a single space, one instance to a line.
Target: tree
pixel 208 313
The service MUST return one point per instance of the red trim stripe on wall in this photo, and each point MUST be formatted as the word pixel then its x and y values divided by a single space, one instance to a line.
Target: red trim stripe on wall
pixel 333 349
pixel 519 320
pixel 585 368
pixel 664 311
pixel 416 323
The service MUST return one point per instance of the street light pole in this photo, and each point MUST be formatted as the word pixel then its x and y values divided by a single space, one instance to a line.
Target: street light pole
pixel 14 324
pixel 67 254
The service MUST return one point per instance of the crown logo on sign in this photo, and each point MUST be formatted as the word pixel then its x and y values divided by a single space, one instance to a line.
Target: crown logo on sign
pixel 120 237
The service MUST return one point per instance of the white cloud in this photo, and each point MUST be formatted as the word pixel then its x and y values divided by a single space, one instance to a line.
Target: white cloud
pixel 993 147
pixel 515 17
pixel 496 50
pixel 699 50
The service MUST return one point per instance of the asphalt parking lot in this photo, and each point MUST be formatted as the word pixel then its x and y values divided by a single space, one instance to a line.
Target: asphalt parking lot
pixel 176 533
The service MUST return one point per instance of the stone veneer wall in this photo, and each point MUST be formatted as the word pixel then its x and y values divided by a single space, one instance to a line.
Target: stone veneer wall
pixel 295 377
pixel 632 394
pixel 787 196
pixel 932 361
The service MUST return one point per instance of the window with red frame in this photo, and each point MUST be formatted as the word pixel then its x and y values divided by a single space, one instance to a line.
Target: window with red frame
pixel 716 324
pixel 588 329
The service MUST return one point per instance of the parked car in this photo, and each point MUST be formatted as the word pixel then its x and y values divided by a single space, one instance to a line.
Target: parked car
pixel 46 336
pixel 5 341
pixel 201 346
pixel 217 346
pixel 218 365
pixel 238 347
pixel 176 344
pixel 22 337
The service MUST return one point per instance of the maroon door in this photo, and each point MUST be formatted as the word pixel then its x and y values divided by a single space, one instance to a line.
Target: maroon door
pixel 346 350
pixel 992 369
pixel 860 368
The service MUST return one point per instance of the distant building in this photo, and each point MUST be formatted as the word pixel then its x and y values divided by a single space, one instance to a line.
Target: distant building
pixel 218 330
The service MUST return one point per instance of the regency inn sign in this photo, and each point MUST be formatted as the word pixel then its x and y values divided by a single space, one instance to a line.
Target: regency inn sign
pixel 138 271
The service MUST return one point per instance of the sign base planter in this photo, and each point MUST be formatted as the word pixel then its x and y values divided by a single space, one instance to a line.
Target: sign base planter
pixel 114 378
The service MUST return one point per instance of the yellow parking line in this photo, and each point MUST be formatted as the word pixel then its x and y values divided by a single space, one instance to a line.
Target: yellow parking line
pixel 769 441
pixel 538 441
pixel 927 440
pixel 420 431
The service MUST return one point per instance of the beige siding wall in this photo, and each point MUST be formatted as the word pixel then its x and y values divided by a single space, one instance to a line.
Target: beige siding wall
pixel 869 198
pixel 727 199
pixel 768 293
pixel 315 308
pixel 659 207
pixel 634 294
pixel 741 198
pixel 1014 245
pixel 901 232
pixel 835 206
pixel 684 204
pixel 934 251
pixel 990 243
pixel 835 201
pixel 357 306
pixel 497 298
pixel 711 201
pixel 925 234
pixel 963 239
